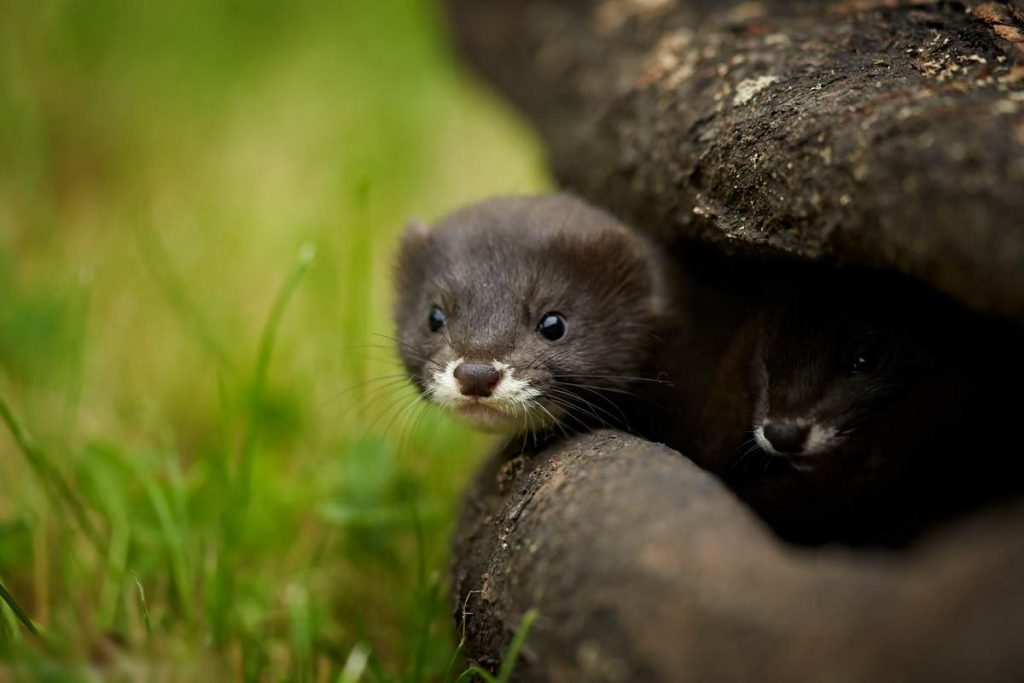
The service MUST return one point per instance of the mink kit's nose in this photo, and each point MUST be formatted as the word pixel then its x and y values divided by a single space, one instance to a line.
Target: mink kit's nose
pixel 784 437
pixel 477 379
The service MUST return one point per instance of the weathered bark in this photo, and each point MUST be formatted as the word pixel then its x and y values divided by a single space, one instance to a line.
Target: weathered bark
pixel 884 133
pixel 643 567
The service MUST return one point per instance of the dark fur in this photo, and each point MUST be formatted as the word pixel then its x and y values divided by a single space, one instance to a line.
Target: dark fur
pixel 496 267
pixel 920 436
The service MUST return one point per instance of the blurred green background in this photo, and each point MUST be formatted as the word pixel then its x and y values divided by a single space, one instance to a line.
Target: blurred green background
pixel 211 467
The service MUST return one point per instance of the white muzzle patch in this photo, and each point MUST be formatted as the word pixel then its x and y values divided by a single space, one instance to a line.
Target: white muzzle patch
pixel 820 439
pixel 510 407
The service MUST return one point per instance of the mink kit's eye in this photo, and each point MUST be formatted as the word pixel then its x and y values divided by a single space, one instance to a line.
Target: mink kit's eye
pixel 866 359
pixel 552 326
pixel 436 319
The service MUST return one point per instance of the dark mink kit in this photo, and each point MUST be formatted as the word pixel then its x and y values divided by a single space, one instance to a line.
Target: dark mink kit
pixel 847 406
pixel 858 406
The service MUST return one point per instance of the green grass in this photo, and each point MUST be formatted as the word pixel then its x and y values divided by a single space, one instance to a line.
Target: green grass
pixel 210 466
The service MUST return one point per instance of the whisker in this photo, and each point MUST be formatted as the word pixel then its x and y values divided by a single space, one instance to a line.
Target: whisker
pixel 546 358
pixel 527 429
pixel 568 402
pixel 389 380
pixel 399 408
pixel 410 431
pixel 748 452
pixel 556 422
pixel 593 406
pixel 375 395
pixel 401 418
pixel 572 402
pixel 647 400
pixel 631 378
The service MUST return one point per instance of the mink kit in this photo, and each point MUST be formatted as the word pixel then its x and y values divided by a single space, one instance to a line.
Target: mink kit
pixel 860 407
pixel 528 315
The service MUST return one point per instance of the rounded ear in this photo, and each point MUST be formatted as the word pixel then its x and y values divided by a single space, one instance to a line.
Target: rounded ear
pixel 416 232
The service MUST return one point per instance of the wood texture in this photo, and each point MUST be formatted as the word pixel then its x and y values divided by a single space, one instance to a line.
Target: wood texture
pixel 644 567
pixel 882 133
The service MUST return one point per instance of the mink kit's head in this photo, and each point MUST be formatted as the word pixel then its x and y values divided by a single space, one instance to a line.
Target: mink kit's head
pixel 843 361
pixel 521 312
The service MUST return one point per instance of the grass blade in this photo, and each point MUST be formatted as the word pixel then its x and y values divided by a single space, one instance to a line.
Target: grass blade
pixel 508 665
pixel 143 605
pixel 259 379
pixel 355 664
pixel 173 540
pixel 157 261
pixel 241 484
pixel 518 640
pixel 477 671
pixel 56 488
pixel 20 613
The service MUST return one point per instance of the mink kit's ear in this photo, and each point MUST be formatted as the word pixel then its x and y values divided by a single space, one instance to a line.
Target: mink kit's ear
pixel 416 234
pixel 410 266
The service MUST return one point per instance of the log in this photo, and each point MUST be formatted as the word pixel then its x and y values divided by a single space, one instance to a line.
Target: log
pixel 881 133
pixel 644 567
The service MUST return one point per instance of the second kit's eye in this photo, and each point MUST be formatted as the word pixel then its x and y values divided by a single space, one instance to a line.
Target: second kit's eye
pixel 866 359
